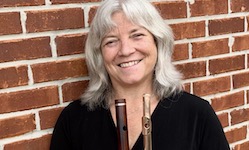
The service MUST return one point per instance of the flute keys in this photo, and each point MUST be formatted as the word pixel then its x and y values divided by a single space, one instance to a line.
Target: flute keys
pixel 146 126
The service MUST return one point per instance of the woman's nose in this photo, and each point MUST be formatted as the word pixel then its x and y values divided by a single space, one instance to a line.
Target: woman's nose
pixel 126 48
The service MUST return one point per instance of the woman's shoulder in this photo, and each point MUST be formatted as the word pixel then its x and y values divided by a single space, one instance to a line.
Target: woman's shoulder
pixel 76 109
pixel 190 99
pixel 185 100
pixel 72 111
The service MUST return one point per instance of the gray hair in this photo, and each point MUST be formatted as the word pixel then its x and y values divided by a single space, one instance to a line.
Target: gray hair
pixel 166 81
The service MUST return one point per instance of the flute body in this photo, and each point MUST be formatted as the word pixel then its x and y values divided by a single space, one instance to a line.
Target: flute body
pixel 122 129
pixel 146 122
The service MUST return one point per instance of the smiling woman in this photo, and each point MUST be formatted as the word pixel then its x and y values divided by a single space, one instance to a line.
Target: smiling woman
pixel 166 79
pixel 128 53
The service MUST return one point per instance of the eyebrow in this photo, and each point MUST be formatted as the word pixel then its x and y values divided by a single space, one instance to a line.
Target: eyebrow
pixel 109 36
pixel 136 29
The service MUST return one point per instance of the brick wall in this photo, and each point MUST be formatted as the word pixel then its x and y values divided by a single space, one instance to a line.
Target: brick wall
pixel 42 65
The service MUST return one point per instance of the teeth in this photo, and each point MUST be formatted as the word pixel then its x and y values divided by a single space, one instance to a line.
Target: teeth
pixel 128 64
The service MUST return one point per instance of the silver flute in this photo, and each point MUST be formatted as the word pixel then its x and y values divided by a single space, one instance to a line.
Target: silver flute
pixel 146 122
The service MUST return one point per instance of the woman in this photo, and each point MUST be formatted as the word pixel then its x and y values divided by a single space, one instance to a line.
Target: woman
pixel 128 53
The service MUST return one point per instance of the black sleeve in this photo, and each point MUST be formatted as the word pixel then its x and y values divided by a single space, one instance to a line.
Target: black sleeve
pixel 213 137
pixel 60 138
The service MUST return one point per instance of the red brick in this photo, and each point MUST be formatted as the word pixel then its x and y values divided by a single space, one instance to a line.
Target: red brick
pixel 228 101
pixel 15 3
pixel 238 116
pixel 91 14
pixel 72 1
pixel 247 23
pixel 187 87
pixel 10 23
pixel 239 5
pixel 16 125
pixel 70 44
pixel 248 61
pixel 13 76
pixel 210 48
pixel 236 134
pixel 211 86
pixel 248 96
pixel 59 70
pixel 243 146
pixel 49 117
pixel 187 69
pixel 168 9
pixel 241 43
pixel 41 143
pixel 224 119
pixel 25 49
pixel 209 7
pixel 180 52
pixel 241 80
pixel 226 64
pixel 29 99
pixel 189 30
pixel 55 19
pixel 73 91
pixel 226 26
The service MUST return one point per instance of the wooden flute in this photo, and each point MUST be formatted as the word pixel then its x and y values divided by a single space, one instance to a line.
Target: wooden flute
pixel 122 129
pixel 146 122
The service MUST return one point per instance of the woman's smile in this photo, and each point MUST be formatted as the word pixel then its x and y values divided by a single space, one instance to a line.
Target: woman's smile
pixel 129 64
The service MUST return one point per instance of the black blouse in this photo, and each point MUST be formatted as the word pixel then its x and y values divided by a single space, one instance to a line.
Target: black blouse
pixel 181 122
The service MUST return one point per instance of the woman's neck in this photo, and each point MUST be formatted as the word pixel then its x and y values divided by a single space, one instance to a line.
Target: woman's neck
pixel 132 93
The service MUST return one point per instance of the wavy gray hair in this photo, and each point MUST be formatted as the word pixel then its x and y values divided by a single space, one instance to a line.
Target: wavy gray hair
pixel 167 80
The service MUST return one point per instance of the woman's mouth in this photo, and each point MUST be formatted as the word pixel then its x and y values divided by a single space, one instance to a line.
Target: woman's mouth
pixel 129 64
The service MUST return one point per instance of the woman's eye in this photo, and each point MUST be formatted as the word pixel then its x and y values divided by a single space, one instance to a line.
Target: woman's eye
pixel 137 36
pixel 111 43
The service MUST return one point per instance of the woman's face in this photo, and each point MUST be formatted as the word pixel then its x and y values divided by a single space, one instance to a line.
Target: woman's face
pixel 129 53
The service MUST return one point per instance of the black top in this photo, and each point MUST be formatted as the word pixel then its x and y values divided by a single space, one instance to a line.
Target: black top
pixel 182 122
